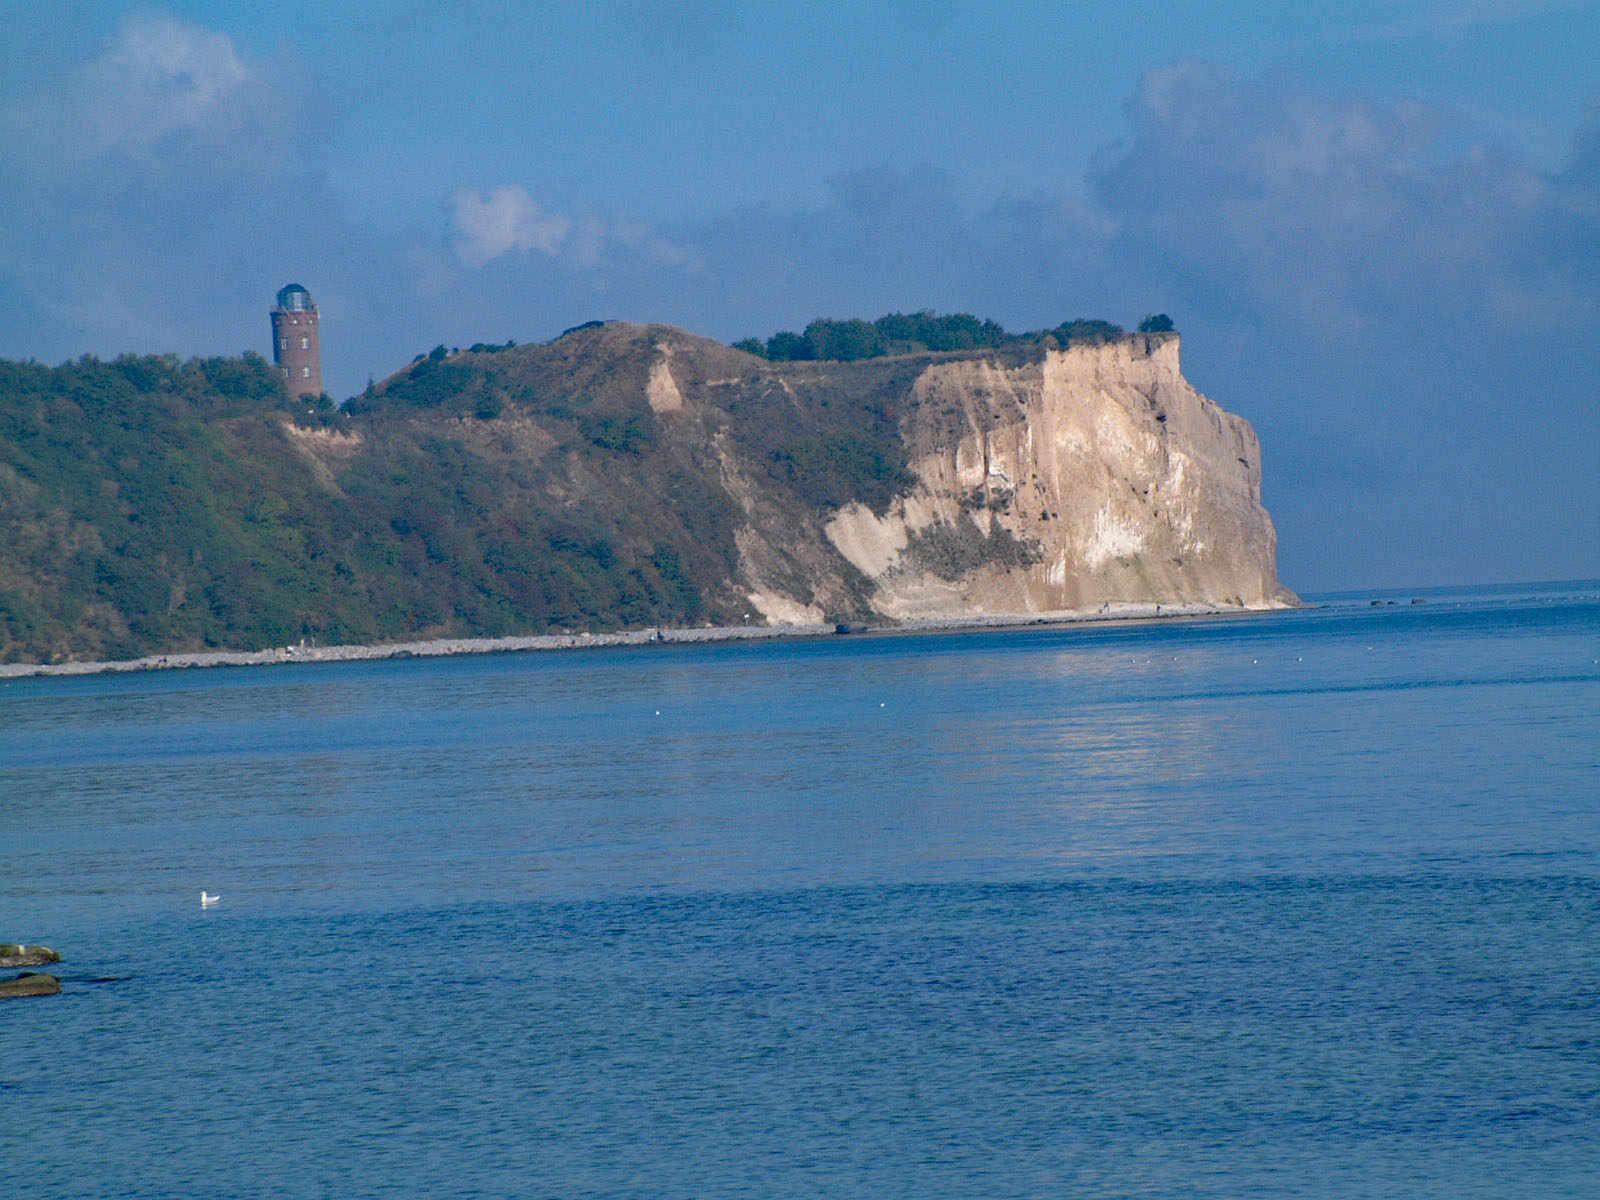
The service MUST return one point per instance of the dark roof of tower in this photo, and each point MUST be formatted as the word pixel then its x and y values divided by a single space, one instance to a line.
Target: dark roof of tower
pixel 294 298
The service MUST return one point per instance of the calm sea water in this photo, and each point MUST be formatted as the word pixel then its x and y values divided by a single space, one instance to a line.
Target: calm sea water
pixel 1301 904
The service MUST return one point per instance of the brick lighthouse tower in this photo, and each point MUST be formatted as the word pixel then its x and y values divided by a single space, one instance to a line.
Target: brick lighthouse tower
pixel 296 347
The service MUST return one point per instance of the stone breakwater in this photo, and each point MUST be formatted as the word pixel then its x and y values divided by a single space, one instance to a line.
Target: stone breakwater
pixel 443 647
pixel 433 648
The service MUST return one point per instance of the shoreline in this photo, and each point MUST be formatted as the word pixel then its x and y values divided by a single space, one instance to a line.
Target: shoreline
pixel 451 646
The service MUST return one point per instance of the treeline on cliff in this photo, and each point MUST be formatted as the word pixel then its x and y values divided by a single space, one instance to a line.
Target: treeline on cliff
pixel 922 332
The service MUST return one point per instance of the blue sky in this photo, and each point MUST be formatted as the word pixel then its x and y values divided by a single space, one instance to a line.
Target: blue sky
pixel 1377 226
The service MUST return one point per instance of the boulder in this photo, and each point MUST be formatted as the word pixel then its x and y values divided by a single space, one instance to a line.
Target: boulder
pixel 30 983
pixel 16 954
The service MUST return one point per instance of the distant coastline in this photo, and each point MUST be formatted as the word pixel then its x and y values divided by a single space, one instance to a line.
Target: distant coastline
pixel 449 646
pixel 623 476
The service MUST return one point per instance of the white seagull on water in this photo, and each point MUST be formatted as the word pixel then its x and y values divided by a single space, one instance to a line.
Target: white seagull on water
pixel 207 899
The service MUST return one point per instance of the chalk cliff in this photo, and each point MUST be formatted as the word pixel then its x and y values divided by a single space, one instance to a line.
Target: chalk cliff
pixel 1080 477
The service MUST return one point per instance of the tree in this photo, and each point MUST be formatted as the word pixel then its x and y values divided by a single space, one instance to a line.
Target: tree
pixel 1086 329
pixel 786 346
pixel 1156 323
pixel 843 341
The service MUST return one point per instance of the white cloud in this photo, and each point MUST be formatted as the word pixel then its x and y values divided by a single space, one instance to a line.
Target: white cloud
pixel 157 79
pixel 162 75
pixel 506 219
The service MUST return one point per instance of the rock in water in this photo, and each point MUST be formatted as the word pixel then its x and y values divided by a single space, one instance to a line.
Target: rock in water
pixel 20 954
pixel 29 984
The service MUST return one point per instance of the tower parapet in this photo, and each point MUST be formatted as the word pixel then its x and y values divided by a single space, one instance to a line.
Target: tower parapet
pixel 296 343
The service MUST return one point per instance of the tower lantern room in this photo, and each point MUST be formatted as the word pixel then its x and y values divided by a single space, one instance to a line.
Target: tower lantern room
pixel 296 345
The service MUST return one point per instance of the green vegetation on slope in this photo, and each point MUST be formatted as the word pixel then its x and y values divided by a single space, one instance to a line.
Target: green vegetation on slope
pixel 842 444
pixel 129 519
pixel 151 505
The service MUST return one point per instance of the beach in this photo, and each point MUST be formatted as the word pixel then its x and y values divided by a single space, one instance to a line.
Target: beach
pixel 443 647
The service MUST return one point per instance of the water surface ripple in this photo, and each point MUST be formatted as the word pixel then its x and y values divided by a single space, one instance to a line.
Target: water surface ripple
pixel 1296 905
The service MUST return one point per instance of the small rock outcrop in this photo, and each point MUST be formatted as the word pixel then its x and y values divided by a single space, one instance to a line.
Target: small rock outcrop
pixel 29 983
pixel 19 954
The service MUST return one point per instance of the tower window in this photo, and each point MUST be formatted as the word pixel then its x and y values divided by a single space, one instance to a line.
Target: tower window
pixel 283 343
pixel 305 343
pixel 305 372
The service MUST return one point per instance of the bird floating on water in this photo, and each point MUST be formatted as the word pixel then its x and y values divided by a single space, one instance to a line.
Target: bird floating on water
pixel 207 899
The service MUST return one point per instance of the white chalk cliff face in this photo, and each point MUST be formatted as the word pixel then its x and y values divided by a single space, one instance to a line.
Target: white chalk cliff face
pixel 1096 476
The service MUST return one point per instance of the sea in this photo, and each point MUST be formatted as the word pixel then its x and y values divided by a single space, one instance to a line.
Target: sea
pixel 1302 903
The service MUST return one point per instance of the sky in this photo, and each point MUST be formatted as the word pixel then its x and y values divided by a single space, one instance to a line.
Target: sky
pixel 1377 226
